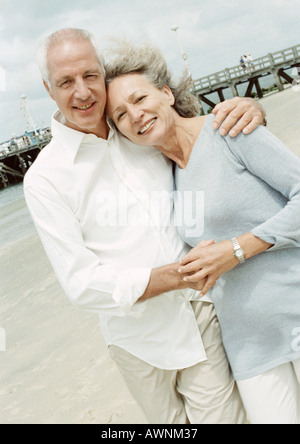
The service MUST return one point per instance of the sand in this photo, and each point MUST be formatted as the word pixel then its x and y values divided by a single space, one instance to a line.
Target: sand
pixel 283 116
pixel 56 368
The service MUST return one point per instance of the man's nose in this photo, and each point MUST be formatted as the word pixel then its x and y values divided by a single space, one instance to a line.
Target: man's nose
pixel 82 91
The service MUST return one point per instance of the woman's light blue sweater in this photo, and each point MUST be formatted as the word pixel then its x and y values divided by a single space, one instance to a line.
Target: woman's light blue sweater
pixel 251 183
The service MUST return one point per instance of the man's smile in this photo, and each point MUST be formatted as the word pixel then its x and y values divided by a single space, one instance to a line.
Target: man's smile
pixel 86 107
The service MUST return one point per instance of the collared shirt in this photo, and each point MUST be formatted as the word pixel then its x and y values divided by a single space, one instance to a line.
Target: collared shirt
pixel 103 211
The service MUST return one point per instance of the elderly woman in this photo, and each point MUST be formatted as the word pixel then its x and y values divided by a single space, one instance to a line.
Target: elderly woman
pixel 251 189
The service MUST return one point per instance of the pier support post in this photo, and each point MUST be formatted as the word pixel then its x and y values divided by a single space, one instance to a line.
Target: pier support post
pixel 22 164
pixel 234 90
pixel 249 89
pixel 204 99
pixel 4 179
pixel 278 80
pixel 285 76
pixel 258 88
pixel 221 95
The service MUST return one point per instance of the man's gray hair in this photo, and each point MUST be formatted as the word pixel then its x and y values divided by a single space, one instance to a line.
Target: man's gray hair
pixel 59 36
pixel 125 58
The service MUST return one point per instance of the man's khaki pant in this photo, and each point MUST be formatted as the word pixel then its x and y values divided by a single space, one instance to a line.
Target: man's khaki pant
pixel 203 394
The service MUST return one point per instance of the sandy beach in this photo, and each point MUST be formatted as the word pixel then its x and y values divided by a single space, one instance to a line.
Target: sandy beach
pixel 56 368
pixel 283 116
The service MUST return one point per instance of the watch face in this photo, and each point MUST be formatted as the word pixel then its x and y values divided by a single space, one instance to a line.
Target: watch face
pixel 239 253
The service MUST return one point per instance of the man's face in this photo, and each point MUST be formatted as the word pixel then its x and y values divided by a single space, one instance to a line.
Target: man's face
pixel 78 86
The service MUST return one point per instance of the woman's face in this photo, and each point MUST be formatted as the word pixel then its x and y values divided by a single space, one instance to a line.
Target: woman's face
pixel 140 111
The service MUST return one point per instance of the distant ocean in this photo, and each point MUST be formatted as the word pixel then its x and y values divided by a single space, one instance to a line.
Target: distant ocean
pixel 15 220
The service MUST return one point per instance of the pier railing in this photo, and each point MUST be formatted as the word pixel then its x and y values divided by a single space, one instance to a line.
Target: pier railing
pixel 265 63
pixel 18 145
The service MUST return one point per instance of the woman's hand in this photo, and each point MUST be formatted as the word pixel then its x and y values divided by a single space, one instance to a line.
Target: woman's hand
pixel 202 285
pixel 208 262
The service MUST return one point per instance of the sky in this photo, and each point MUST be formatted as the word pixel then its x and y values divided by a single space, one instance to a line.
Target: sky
pixel 213 34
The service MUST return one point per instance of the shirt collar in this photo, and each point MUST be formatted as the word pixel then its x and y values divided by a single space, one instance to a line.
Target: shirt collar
pixel 72 139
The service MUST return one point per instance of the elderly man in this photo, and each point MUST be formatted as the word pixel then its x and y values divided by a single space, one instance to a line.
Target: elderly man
pixel 88 192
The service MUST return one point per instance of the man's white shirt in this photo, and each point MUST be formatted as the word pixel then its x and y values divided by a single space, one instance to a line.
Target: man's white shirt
pixel 103 211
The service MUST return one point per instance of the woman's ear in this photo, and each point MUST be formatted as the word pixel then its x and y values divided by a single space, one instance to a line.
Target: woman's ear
pixel 169 95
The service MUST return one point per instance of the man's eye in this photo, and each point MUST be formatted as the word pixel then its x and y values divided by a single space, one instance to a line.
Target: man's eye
pixel 139 99
pixel 65 83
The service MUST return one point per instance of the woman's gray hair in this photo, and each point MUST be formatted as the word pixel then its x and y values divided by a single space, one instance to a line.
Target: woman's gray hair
pixel 56 38
pixel 126 58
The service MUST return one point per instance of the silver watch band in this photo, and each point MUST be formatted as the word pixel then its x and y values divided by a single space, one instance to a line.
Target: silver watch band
pixel 238 251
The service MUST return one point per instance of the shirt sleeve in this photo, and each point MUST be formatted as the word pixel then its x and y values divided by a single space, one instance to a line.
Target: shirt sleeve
pixel 266 157
pixel 88 283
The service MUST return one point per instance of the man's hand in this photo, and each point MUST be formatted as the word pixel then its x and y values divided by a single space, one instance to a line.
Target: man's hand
pixel 167 278
pixel 238 114
pixel 204 285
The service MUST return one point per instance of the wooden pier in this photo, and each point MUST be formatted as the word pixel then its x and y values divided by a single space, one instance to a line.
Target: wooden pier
pixel 275 64
pixel 18 154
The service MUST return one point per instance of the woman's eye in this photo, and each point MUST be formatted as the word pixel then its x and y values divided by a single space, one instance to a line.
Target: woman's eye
pixel 140 98
pixel 121 115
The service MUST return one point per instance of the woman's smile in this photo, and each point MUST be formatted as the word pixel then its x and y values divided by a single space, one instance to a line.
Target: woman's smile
pixel 147 127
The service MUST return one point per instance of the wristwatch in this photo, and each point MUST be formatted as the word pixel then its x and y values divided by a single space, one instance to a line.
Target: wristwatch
pixel 238 251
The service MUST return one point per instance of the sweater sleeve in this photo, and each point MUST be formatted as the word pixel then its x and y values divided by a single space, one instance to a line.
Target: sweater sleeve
pixel 267 158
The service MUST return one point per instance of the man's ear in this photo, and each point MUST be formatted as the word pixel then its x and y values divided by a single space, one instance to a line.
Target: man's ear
pixel 169 94
pixel 48 90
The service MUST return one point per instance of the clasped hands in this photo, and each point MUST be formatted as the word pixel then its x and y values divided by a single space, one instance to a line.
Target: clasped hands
pixel 205 263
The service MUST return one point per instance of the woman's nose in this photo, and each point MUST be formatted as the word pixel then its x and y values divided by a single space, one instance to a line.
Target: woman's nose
pixel 135 113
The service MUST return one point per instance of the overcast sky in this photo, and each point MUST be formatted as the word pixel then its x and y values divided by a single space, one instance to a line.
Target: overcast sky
pixel 213 33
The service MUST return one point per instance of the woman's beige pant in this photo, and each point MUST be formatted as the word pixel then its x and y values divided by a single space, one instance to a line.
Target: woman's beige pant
pixel 203 394
pixel 274 396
